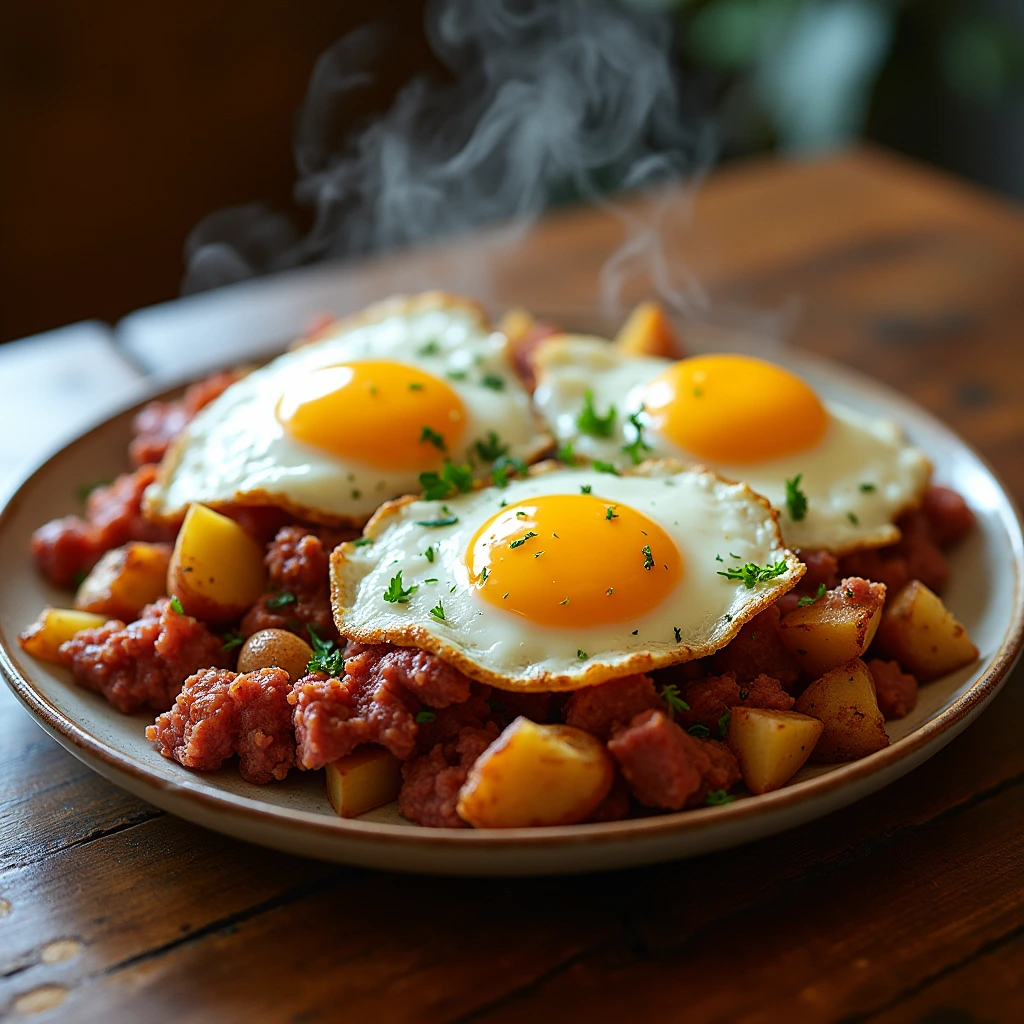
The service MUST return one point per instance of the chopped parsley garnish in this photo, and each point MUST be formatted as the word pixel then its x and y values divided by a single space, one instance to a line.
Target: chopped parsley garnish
pixel 744 694
pixel 853 519
pixel 537 554
pixel 396 593
pixel 718 797
pixel 433 579
pixel 422 717
pixel 429 553
pixel 493 381
pixel 436 439
pixel 582 655
pixel 679 634
pixel 670 695
pixel 416 386
pixel 430 349
pixel 565 453
pixel 723 724
pixel 520 514
pixel 805 601
pixel 796 500
pixel 176 606
pixel 280 600
pixel 648 557
pixel 362 542
pixel 638 444
pixel 456 375
pixel 484 573
pixel 610 513
pixel 450 480
pixel 522 540
pixel 443 521
pixel 438 612
pixel 585 488
pixel 501 468
pixel 566 601
pixel 719 558
pixel 232 640
pixel 868 488
pixel 750 575
pixel 589 422
pixel 605 467
pixel 700 731
pixel 492 449
pixel 325 658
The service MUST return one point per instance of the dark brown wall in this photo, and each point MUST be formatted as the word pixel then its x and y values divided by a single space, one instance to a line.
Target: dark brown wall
pixel 123 123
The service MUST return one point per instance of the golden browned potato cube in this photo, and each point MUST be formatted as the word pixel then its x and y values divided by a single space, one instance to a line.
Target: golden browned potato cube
pixel 369 777
pixel 919 631
pixel 216 570
pixel 844 701
pixel 649 332
pixel 839 626
pixel 53 627
pixel 125 580
pixel 536 775
pixel 771 746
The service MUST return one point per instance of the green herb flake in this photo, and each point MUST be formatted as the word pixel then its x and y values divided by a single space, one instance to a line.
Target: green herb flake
pixel 565 453
pixel 493 381
pixel 325 658
pixel 679 634
pixel 605 467
pixel 176 606
pixel 718 798
pixel 452 479
pixel 502 467
pixel 362 542
pixel 396 593
pixel 443 521
pixel 422 717
pixel 853 519
pixel 456 375
pixel 529 535
pixel 432 348
pixel 676 704
pixel 566 601
pixel 796 500
pixel 585 488
pixel 610 513
pixel 744 694
pixel 750 574
pixel 438 612
pixel 232 640
pixel 701 732
pixel 868 488
pixel 416 386
pixel 805 601
pixel 638 445
pixel 723 724
pixel 431 435
pixel 492 449
pixel 582 655
pixel 590 422
pixel 280 600
pixel 648 557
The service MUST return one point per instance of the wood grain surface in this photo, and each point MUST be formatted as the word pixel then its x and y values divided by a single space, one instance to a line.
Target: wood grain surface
pixel 908 906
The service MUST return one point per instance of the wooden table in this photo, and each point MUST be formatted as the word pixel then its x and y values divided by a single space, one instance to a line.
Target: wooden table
pixel 906 907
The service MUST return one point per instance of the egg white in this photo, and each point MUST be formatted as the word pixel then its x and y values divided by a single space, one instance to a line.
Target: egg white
pixel 714 523
pixel 857 479
pixel 236 451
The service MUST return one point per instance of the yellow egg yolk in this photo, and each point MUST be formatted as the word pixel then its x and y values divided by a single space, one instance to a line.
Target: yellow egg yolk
pixel 573 560
pixel 734 409
pixel 390 415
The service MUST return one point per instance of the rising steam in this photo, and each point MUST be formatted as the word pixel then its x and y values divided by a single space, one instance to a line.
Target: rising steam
pixel 551 101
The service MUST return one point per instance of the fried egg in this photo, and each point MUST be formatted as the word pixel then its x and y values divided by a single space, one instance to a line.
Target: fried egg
pixel 567 577
pixel 333 428
pixel 839 478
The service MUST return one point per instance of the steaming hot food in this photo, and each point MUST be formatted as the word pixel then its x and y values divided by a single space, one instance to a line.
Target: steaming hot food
pixel 335 427
pixel 838 478
pixel 566 578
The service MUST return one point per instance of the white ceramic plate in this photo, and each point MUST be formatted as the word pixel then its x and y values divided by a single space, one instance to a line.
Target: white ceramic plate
pixel 986 592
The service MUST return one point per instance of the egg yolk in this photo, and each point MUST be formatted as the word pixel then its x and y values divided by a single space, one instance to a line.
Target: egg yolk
pixel 734 409
pixel 573 560
pixel 390 415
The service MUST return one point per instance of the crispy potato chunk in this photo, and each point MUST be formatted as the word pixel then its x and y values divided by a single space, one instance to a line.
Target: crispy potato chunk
pixel 216 570
pixel 53 627
pixel 771 746
pixel 839 626
pixel 844 701
pixel 922 635
pixel 125 580
pixel 275 648
pixel 369 777
pixel 537 775
pixel 648 332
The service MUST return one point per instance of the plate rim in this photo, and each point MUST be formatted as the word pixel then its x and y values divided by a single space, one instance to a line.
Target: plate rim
pixel 944 726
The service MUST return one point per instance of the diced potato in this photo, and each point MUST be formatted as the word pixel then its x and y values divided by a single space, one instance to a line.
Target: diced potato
pixel 216 570
pixel 648 332
pixel 834 629
pixel 53 627
pixel 771 746
pixel 536 775
pixel 922 635
pixel 844 701
pixel 125 580
pixel 516 323
pixel 275 648
pixel 369 777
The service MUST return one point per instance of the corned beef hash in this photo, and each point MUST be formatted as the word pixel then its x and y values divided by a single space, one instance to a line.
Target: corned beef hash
pixel 506 575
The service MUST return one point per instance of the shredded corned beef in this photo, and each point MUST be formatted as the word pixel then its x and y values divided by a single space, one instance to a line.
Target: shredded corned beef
pixel 896 690
pixel 757 650
pixel 144 663
pixel 709 699
pixel 598 709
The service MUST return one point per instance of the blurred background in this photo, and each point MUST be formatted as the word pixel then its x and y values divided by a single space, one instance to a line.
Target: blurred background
pixel 128 125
